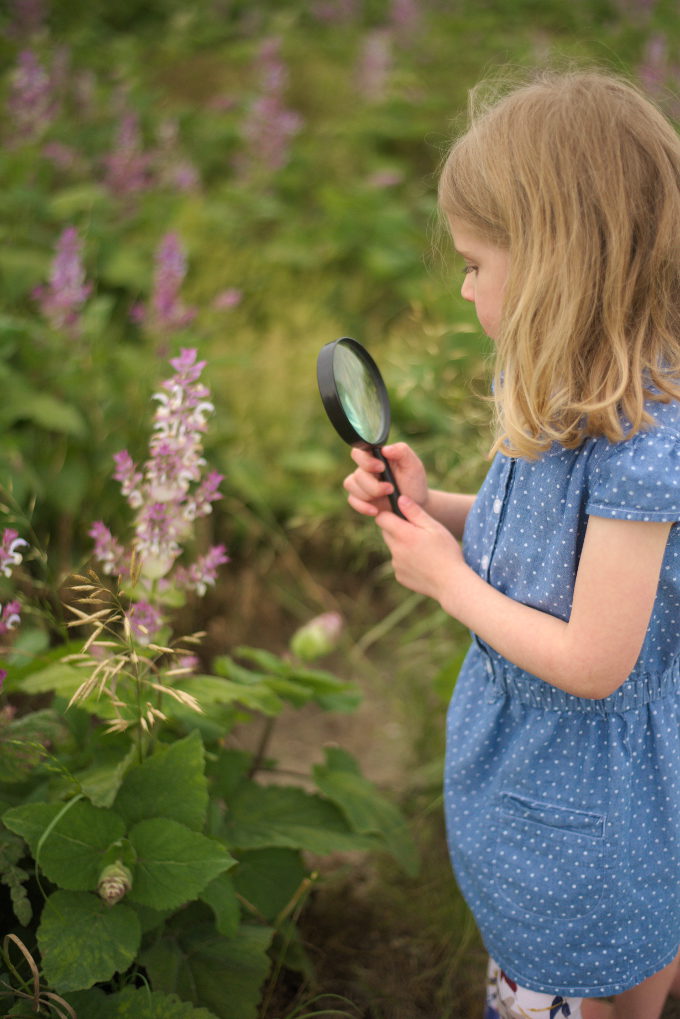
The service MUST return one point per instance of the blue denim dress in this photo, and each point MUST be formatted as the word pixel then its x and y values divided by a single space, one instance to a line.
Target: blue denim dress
pixel 563 813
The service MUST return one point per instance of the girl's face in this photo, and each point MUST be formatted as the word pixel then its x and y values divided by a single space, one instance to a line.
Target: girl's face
pixel 486 273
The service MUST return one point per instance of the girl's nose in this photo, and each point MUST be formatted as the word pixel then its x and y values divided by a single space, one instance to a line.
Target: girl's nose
pixel 467 291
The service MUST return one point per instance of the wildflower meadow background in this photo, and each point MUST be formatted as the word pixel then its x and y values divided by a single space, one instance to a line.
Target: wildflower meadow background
pixel 220 719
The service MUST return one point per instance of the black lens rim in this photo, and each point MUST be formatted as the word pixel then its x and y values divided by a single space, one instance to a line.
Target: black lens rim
pixel 331 398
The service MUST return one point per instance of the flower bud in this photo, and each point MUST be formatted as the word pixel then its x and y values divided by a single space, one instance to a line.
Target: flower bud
pixel 115 881
pixel 154 567
pixel 318 637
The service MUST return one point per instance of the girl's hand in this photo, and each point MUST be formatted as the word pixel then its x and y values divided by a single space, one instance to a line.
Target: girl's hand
pixel 424 553
pixel 368 494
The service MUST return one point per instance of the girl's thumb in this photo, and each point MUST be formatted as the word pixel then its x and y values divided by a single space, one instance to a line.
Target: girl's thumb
pixel 415 514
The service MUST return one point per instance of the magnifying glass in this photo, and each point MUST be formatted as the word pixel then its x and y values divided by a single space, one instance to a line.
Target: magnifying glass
pixel 356 401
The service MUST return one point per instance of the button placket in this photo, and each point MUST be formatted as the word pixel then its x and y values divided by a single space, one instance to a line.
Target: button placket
pixel 498 510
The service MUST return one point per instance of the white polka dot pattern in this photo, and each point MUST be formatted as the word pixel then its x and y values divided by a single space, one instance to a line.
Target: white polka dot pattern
pixel 563 814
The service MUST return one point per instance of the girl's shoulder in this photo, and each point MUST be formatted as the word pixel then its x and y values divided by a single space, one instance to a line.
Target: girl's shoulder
pixel 638 478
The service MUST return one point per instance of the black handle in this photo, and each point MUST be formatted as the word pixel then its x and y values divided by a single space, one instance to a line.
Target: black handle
pixel 388 476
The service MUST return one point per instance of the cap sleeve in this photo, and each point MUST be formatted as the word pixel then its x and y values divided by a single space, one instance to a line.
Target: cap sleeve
pixel 638 479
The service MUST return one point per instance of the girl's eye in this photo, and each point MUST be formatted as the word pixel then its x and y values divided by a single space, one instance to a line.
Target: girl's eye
pixel 468 269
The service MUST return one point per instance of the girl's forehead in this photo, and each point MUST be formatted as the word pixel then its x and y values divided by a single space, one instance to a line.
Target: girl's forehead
pixel 466 239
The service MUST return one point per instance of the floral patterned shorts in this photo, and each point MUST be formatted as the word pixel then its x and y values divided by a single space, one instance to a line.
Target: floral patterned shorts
pixel 506 1000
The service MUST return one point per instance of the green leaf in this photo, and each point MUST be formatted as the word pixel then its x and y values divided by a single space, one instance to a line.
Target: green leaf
pixel 174 863
pixel 269 878
pixel 170 784
pixel 23 743
pixel 23 666
pixel 83 941
pixel 220 895
pixel 366 810
pixel 134 1003
pixel 229 770
pixel 72 201
pixel 225 974
pixel 295 683
pixel 102 780
pixel 64 679
pixel 214 690
pixel 44 410
pixel 284 816
pixel 71 854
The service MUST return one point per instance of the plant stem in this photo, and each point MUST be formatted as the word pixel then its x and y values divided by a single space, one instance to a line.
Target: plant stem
pixel 262 747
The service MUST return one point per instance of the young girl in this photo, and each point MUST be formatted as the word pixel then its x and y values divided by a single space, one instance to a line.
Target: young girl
pixel 562 777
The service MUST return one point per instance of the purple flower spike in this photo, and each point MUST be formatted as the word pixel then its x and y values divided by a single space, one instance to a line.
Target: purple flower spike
pixel 269 125
pixel 203 573
pixel 107 550
pixel 168 493
pixel 66 292
pixel 167 312
pixel 145 621
pixel 128 167
pixel 31 103
pixel 10 617
pixel 28 18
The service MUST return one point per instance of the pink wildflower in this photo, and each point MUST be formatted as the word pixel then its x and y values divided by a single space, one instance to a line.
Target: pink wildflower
pixel 129 477
pixel 334 11
pixel 128 167
pixel 167 312
pixel 171 490
pixel 653 72
pixel 109 552
pixel 31 103
pixel 405 16
pixel 28 18
pixel 269 125
pixel 374 65
pixel 145 620
pixel 206 493
pixel 173 169
pixel 9 557
pixel 228 299
pixel 9 617
pixel 66 292
pixel 203 573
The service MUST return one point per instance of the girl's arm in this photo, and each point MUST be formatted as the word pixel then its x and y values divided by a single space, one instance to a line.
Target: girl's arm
pixel 588 656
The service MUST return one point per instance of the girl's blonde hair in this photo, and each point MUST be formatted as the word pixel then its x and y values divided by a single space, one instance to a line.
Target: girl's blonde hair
pixel 577 175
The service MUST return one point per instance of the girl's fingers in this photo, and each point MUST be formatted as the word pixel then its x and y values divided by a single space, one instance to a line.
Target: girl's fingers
pixel 366 486
pixel 366 461
pixel 367 508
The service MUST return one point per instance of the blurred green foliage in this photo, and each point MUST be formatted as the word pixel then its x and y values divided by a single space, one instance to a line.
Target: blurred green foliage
pixel 292 148
pixel 331 233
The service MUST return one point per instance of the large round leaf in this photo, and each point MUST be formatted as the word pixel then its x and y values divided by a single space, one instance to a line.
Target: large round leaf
pixel 134 1003
pixel 83 941
pixel 69 850
pixel 169 784
pixel 174 863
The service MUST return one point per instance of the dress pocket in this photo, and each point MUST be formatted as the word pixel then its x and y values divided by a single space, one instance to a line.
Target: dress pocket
pixel 548 859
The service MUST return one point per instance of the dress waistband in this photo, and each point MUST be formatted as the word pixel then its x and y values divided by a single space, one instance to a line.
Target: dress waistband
pixel 508 680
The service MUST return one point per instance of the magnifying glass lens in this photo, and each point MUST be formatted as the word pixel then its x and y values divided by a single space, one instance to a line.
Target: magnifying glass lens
pixel 356 401
pixel 359 395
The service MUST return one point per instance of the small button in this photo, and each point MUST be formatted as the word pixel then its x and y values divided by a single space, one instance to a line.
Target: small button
pixel 497 505
pixel 489 667
pixel 485 562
